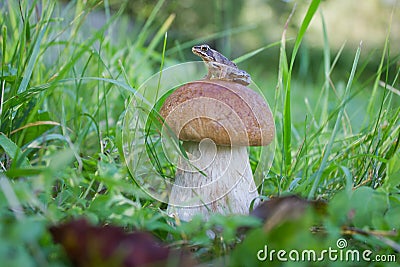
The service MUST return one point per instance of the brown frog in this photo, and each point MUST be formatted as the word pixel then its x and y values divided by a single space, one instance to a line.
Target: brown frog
pixel 219 67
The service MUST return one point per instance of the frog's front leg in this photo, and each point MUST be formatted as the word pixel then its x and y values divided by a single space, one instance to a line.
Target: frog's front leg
pixel 223 73
pixel 213 71
pixel 210 71
pixel 218 71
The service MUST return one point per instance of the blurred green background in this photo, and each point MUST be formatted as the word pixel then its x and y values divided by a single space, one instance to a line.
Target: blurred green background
pixel 235 27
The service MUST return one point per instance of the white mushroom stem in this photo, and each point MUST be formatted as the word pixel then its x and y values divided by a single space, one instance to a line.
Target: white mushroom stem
pixel 217 179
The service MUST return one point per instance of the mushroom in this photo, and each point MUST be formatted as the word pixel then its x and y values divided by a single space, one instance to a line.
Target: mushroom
pixel 217 121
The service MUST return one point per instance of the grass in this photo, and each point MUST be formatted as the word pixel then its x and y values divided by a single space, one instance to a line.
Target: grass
pixel 61 148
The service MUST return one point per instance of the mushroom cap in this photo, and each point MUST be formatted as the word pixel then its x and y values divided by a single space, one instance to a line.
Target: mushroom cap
pixel 229 113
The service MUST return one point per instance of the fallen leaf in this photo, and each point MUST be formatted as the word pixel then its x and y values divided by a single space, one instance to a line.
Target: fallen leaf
pixel 93 246
pixel 280 209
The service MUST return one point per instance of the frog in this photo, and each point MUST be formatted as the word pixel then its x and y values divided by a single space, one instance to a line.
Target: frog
pixel 220 67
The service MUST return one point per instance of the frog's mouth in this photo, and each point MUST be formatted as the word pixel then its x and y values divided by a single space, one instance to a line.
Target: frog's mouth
pixel 204 58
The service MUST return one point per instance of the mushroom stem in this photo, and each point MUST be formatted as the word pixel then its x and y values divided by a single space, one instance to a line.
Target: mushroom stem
pixel 215 179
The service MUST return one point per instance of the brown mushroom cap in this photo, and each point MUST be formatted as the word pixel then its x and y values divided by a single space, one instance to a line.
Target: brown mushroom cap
pixel 226 112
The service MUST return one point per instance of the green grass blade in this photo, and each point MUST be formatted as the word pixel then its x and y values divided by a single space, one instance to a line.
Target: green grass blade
pixel 255 52
pixel 13 150
pixel 156 39
pixel 327 70
pixel 379 71
pixel 31 64
pixel 3 80
pixel 303 28
pixel 162 64
pixel 287 120
pixel 11 197
pixel 36 50
pixel 145 30
pixel 283 75
pixel 328 148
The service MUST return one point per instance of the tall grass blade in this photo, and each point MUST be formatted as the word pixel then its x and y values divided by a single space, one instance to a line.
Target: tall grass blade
pixel 3 62
pixel 145 30
pixel 327 70
pixel 283 76
pixel 379 71
pixel 35 51
pixel 255 52
pixel 162 64
pixel 287 120
pixel 328 148
pixel 303 28
pixel 156 39
pixel 32 60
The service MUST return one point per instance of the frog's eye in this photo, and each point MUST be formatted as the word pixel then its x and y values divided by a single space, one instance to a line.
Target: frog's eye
pixel 204 48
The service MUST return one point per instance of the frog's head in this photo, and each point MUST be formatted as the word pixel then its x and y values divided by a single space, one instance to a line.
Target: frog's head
pixel 204 51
